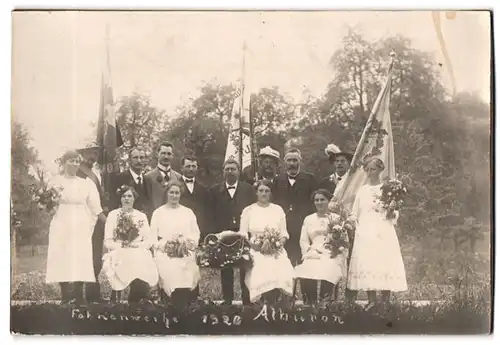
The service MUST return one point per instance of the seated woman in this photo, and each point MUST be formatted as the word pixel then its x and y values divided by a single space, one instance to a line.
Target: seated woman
pixel 317 263
pixel 129 260
pixel 271 274
pixel 176 232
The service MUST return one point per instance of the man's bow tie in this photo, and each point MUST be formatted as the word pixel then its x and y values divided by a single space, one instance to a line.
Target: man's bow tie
pixel 189 180
pixel 292 177
pixel 231 187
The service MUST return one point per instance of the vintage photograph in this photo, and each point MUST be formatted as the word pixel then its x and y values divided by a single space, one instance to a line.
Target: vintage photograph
pixel 251 172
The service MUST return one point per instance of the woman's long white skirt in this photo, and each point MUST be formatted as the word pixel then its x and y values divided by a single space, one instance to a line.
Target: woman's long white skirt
pixel 123 265
pixel 268 273
pixel 69 257
pixel 323 267
pixel 177 273
pixel 376 261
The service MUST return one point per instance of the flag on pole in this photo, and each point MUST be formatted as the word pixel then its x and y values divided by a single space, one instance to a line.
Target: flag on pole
pixel 239 145
pixel 376 141
pixel 108 134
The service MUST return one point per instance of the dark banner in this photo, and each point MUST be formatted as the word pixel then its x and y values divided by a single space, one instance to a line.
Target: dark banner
pixel 217 320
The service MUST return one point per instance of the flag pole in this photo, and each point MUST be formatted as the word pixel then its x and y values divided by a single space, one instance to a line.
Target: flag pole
pixel 242 109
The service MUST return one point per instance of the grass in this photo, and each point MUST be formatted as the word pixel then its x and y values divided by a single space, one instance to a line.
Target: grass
pixel 461 309
pixel 28 282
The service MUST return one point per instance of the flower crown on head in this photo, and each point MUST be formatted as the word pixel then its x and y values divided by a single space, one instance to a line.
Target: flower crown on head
pixel 122 189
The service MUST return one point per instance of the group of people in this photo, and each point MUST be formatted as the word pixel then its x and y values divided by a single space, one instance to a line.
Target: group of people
pixel 168 205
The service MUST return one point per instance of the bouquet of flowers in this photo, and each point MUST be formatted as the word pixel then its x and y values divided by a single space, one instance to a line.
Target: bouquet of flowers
pixel 392 198
pixel 268 242
pixel 230 251
pixel 179 247
pixel 46 197
pixel 337 239
pixel 127 230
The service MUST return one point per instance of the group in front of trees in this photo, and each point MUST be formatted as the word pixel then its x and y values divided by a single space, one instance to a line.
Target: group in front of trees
pixel 422 115
pixel 153 226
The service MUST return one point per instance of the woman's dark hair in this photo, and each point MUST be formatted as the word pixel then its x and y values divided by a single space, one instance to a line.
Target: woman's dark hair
pixel 380 165
pixel 262 182
pixel 68 155
pixel 173 183
pixel 323 192
pixel 124 189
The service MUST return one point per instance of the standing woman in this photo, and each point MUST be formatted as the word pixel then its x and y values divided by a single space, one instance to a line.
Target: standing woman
pixel 270 275
pixel 174 222
pixel 129 262
pixel 376 263
pixel 69 258
pixel 317 263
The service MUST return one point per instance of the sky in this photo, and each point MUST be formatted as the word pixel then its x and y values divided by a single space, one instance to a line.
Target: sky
pixel 58 58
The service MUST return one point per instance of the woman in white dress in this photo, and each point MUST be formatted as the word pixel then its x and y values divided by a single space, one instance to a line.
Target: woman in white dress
pixel 317 263
pixel 179 276
pixel 129 263
pixel 376 263
pixel 270 275
pixel 69 257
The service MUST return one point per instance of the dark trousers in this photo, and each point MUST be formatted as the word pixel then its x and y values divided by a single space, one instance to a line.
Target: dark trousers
pixel 181 297
pixel 93 291
pixel 227 280
pixel 310 292
pixel 139 290
pixel 71 291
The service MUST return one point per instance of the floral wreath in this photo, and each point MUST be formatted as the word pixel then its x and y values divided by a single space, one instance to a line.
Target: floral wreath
pixel 122 189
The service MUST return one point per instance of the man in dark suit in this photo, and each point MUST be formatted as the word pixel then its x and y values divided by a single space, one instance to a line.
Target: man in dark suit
pixel 227 201
pixel 87 170
pixel 195 197
pixel 293 191
pixel 341 161
pixel 134 177
pixel 156 180
pixel 269 160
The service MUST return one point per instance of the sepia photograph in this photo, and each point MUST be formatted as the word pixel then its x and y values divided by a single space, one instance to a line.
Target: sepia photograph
pixel 251 172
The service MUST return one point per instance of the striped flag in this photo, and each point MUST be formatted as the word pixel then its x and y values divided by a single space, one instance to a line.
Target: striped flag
pixel 108 134
pixel 376 141
pixel 239 144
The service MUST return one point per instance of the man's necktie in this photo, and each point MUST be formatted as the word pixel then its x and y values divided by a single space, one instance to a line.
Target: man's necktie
pixel 166 174
pixel 139 180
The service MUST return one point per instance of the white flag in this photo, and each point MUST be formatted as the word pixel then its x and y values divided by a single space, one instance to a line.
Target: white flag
pixel 376 141
pixel 239 131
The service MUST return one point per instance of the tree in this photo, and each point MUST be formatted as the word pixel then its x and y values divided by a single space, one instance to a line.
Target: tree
pixel 139 122
pixel 31 222
pixel 428 133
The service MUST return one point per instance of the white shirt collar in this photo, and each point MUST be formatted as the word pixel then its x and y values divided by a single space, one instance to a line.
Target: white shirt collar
pixel 184 178
pixel 134 175
pixel 335 176
pixel 162 167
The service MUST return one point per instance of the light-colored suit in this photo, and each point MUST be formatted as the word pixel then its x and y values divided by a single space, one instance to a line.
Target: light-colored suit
pixel 156 186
